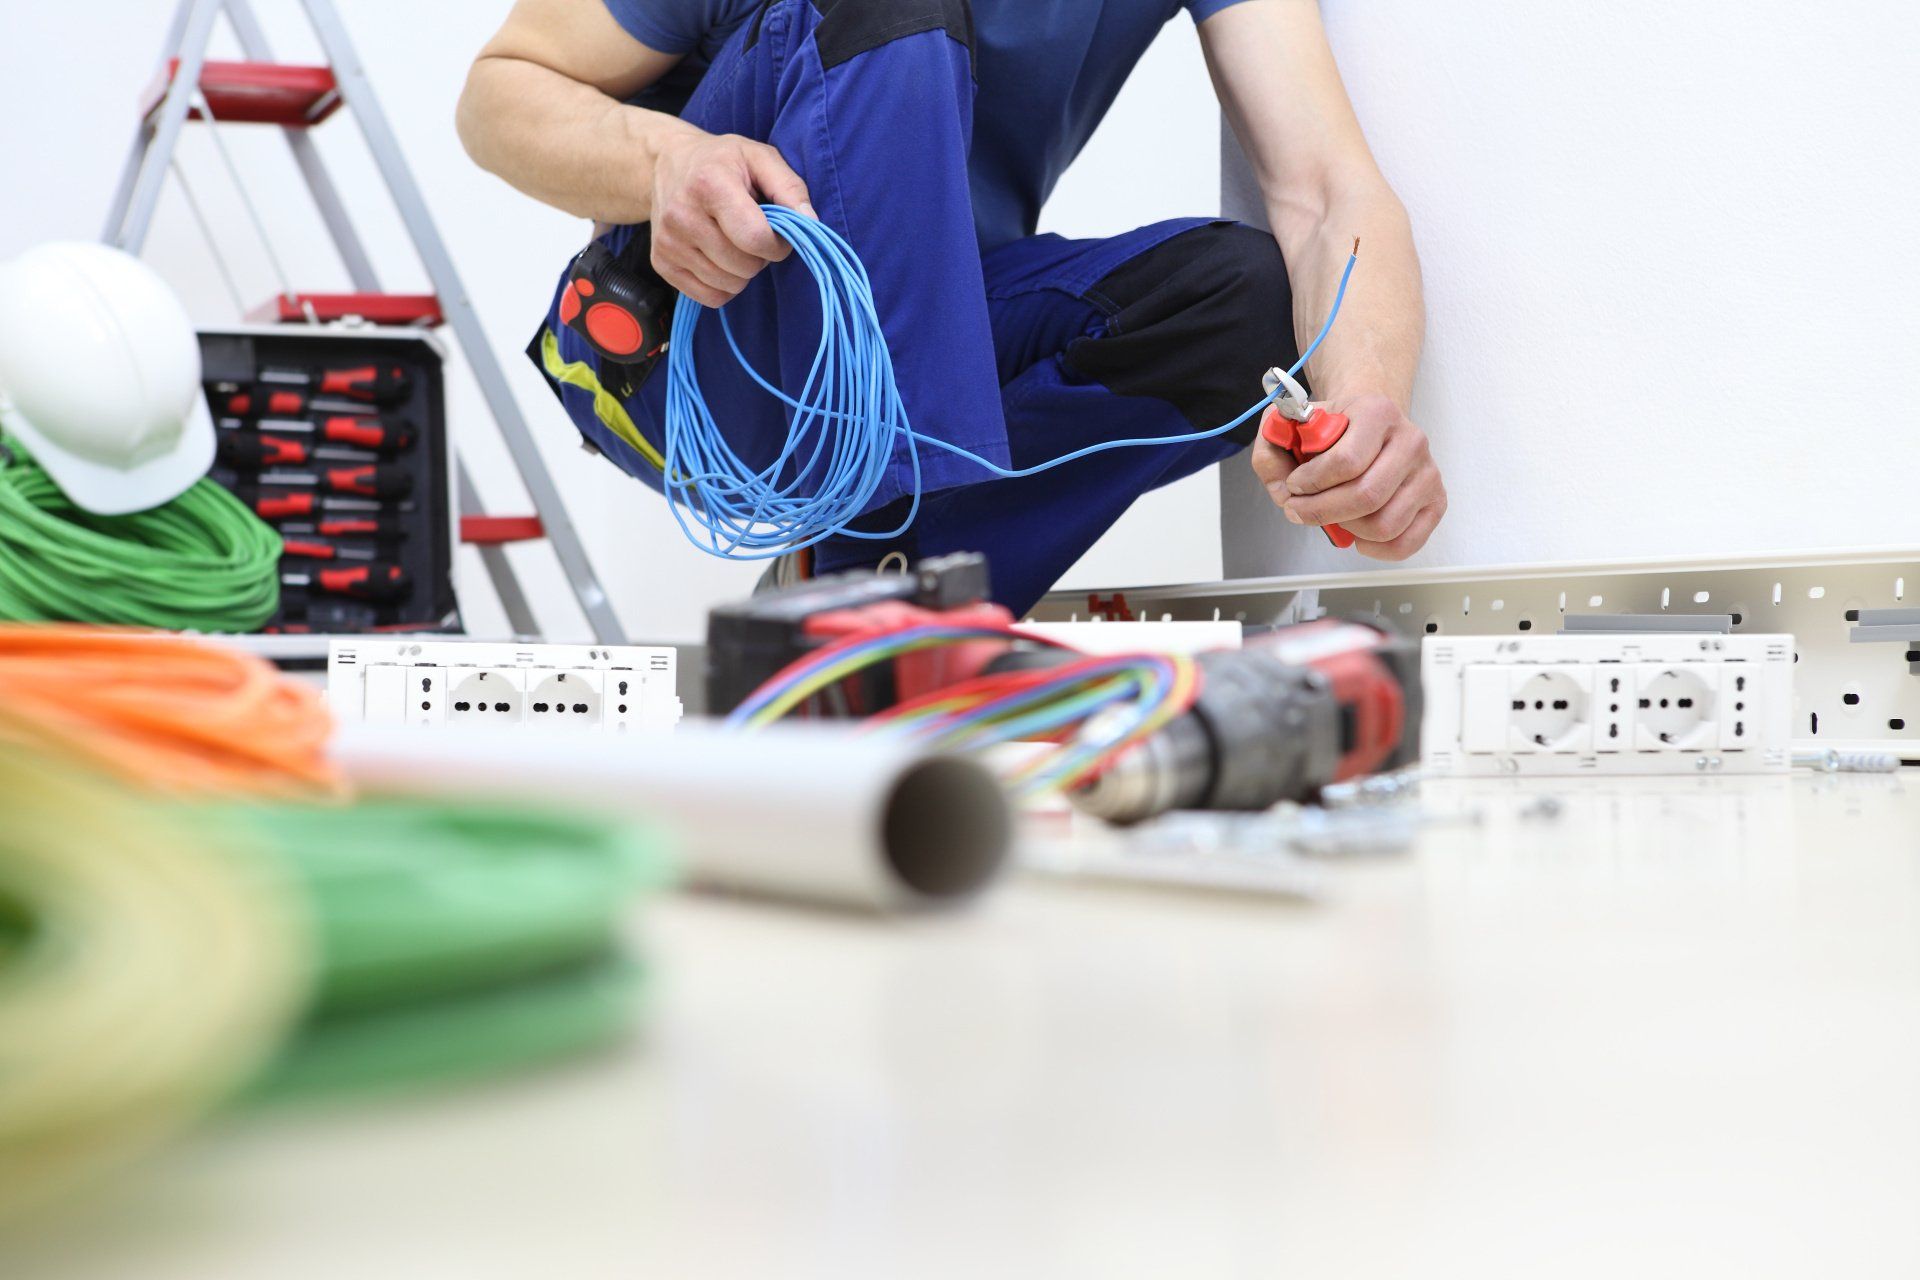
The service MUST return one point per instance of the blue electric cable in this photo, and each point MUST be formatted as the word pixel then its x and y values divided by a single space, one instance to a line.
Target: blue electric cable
pixel 847 421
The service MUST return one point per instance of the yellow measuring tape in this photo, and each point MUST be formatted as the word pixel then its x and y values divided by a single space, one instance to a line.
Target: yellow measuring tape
pixel 606 406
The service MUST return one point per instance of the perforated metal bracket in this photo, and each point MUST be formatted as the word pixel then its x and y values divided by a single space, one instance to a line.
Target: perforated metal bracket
pixel 1847 695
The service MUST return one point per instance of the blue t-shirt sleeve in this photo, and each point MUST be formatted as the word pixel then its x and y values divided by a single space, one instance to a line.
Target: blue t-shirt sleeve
pixel 670 26
pixel 1200 9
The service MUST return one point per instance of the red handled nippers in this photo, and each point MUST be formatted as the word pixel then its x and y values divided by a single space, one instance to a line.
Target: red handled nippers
pixel 1293 423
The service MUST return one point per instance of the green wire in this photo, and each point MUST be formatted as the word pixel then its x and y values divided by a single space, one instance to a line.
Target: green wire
pixel 519 1026
pixel 417 899
pixel 454 940
pixel 201 562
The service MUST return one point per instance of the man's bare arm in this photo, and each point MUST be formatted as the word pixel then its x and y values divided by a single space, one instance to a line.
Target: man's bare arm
pixel 543 108
pixel 1283 96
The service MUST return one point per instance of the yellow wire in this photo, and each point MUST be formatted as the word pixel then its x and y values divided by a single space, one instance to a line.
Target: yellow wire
pixel 152 972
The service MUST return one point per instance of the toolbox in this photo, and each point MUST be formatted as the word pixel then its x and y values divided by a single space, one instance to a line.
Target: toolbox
pixel 337 436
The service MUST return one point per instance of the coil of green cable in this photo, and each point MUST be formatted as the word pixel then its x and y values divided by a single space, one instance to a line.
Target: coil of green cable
pixel 148 969
pixel 454 941
pixel 201 562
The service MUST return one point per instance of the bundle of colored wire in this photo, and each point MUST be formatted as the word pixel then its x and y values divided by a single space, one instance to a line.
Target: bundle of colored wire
pixel 201 562
pixel 1094 708
pixel 827 666
pixel 847 421
pixel 146 971
pixel 176 715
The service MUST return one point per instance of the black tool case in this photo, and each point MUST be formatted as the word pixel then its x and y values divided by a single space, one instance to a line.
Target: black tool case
pixel 424 519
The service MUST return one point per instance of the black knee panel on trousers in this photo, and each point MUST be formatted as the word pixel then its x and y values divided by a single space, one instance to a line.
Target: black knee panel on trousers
pixel 1194 321
pixel 851 27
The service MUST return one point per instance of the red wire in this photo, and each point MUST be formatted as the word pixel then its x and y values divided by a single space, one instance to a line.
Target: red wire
pixel 999 684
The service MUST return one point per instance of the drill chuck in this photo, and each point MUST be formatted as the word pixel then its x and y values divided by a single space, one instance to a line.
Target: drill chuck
pixel 1277 720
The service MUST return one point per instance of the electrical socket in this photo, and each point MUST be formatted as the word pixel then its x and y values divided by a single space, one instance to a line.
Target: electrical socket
pixel 565 699
pixel 1674 708
pixel 1548 711
pixel 1665 703
pixel 1854 682
pixel 581 688
pixel 487 695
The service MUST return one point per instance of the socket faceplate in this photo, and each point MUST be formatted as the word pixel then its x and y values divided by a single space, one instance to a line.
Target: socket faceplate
pixel 583 688
pixel 1528 705
pixel 1855 687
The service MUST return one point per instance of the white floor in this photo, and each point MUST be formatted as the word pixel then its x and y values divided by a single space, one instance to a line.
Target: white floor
pixel 1674 1031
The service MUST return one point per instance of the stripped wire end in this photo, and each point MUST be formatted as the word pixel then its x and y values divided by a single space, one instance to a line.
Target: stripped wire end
pixel 1356 248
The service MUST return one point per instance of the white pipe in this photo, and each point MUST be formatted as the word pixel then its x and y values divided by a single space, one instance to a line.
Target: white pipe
pixel 811 813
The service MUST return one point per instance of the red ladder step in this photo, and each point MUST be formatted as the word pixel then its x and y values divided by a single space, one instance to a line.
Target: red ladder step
pixel 421 309
pixel 256 92
pixel 487 531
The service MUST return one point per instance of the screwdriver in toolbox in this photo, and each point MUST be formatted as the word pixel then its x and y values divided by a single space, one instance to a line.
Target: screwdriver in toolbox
pixel 385 528
pixel 374 583
pixel 251 451
pixel 299 506
pixel 373 383
pixel 358 431
pixel 367 480
pixel 321 549
pixel 247 400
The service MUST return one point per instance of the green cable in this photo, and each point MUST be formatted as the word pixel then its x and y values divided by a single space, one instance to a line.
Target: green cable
pixel 157 961
pixel 201 562
pixel 460 1039
pixel 454 940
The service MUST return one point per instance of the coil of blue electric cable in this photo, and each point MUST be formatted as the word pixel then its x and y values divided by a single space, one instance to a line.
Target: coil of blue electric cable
pixel 846 423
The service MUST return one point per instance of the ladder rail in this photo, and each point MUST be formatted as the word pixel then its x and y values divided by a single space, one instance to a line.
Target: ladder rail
pixel 306 155
pixel 357 90
pixel 137 149
pixel 136 196
pixel 154 140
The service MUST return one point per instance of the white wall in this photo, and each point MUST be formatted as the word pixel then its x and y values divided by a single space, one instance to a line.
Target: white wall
pixel 1152 158
pixel 1670 257
pixel 69 77
pixel 1672 273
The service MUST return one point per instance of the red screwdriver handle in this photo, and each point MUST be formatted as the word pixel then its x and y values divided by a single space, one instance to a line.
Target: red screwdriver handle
pixel 271 404
pixel 368 481
pixel 379 384
pixel 253 452
pixel 358 527
pixel 279 506
pixel 376 583
pixel 366 433
pixel 1319 433
pixel 319 549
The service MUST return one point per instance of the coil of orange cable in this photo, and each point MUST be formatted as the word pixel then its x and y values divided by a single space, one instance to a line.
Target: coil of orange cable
pixel 175 714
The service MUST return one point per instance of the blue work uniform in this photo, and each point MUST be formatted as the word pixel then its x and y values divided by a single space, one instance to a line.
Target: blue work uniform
pixel 929 133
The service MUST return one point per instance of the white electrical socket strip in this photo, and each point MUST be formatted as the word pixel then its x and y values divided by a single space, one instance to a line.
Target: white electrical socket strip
pixel 577 687
pixel 1679 703
pixel 1853 690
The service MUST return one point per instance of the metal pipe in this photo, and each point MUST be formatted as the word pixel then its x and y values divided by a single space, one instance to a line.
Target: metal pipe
pixel 806 813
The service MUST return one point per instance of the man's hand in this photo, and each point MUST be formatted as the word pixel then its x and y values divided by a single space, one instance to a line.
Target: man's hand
pixel 709 236
pixel 1379 482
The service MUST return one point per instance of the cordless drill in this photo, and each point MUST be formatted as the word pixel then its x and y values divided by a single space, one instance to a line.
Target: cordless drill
pixel 1297 708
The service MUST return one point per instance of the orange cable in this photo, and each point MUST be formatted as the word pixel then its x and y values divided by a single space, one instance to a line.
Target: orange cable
pixel 175 714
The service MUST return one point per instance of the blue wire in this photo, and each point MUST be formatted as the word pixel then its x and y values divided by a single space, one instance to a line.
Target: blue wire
pixel 847 421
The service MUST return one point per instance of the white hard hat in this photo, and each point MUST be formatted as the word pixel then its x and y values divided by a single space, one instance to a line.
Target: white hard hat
pixel 100 377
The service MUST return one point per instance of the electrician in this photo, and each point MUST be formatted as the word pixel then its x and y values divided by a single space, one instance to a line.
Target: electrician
pixel 929 133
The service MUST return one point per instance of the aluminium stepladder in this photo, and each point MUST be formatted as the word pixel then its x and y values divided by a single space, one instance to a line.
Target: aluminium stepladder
pixel 260 90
